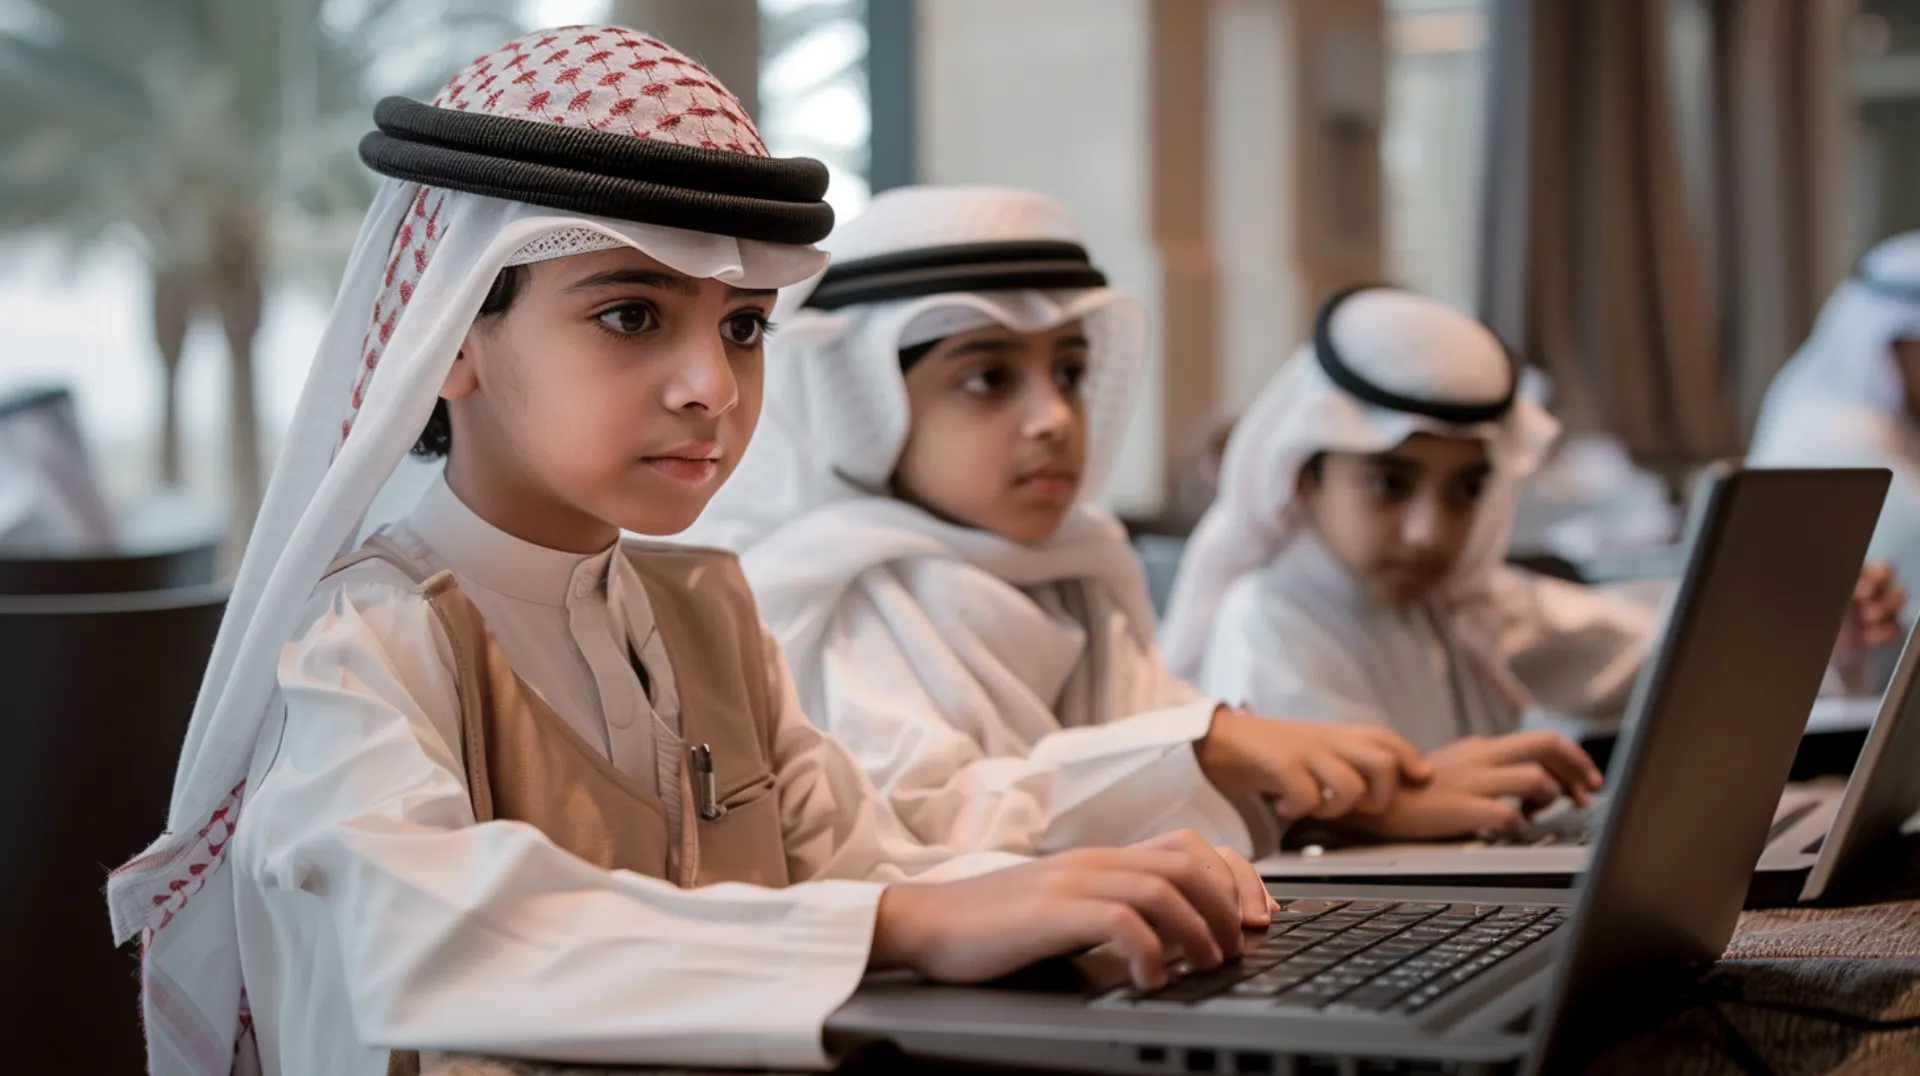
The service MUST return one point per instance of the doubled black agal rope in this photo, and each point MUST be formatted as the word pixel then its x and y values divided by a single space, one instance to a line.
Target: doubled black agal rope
pixel 909 274
pixel 577 170
pixel 1350 380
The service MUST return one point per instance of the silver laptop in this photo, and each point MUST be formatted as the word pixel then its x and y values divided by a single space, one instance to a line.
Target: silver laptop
pixel 1808 845
pixel 1822 829
pixel 1447 979
pixel 1883 794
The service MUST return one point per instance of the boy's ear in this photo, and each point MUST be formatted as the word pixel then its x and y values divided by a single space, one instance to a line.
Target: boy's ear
pixel 461 379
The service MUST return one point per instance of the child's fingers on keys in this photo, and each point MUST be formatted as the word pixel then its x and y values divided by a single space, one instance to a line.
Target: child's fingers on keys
pixel 1573 768
pixel 1204 879
pixel 1166 906
pixel 1561 756
pixel 1256 905
pixel 1443 814
pixel 1483 815
pixel 1378 767
pixel 1115 927
pixel 1531 782
pixel 1291 785
pixel 1341 786
pixel 1412 765
pixel 1215 889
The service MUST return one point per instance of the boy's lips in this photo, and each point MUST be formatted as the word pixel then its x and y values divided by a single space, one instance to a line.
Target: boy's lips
pixel 1050 480
pixel 1411 576
pixel 694 463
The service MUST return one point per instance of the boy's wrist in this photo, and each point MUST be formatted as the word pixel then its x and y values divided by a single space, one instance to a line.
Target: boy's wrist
pixel 1218 753
pixel 893 945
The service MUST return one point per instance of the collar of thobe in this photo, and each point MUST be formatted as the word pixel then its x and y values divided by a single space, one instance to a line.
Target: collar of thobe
pixel 1308 566
pixel 497 560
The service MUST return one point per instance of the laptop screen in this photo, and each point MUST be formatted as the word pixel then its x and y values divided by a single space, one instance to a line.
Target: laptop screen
pixel 1709 738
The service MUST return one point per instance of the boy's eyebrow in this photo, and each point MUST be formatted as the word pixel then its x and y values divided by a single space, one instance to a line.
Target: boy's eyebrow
pixel 663 279
pixel 1390 462
pixel 983 347
pixel 652 278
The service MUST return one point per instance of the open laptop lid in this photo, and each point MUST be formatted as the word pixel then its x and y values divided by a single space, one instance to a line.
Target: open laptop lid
pixel 1884 790
pixel 1707 744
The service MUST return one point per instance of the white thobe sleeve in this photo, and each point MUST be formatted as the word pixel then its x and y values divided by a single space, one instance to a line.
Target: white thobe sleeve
pixel 971 782
pixel 1577 649
pixel 836 825
pixel 1269 657
pixel 488 938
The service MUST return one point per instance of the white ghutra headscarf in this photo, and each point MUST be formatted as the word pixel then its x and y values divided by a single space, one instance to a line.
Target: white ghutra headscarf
pixel 423 263
pixel 835 416
pixel 1399 354
pixel 1847 363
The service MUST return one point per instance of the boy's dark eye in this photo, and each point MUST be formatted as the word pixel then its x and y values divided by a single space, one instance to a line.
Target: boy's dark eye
pixel 1393 485
pixel 1069 373
pixel 630 319
pixel 985 381
pixel 745 329
pixel 1468 489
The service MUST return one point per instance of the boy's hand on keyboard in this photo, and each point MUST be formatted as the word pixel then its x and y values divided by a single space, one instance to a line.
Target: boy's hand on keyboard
pixel 1873 617
pixel 1146 903
pixel 1536 767
pixel 1438 814
pixel 1308 769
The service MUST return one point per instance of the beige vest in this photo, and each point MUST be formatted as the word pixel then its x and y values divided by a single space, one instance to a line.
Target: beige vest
pixel 525 763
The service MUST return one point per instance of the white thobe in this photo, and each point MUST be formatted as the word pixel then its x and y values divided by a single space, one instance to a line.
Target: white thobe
pixel 375 914
pixel 1001 696
pixel 1301 639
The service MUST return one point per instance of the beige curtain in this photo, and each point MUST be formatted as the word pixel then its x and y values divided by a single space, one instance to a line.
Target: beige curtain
pixel 1776 183
pixel 1593 267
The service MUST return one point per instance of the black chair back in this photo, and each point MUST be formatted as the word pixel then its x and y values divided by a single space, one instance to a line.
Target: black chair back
pixel 95 692
pixel 171 569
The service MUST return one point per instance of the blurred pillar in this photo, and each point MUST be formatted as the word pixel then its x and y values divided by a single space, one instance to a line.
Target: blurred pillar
pixel 1778 162
pixel 1223 156
pixel 892 93
pixel 723 35
pixel 1182 122
pixel 1101 104
pixel 1298 91
pixel 1339 74
pixel 1254 194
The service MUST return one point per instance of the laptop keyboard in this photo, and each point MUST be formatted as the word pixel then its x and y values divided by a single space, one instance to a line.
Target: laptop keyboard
pixel 1363 955
pixel 1578 826
pixel 1574 826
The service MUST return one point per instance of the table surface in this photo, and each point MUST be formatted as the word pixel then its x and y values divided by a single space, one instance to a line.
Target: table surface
pixel 1861 959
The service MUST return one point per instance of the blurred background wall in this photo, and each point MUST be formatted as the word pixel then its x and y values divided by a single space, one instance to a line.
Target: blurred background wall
pixel 1648 197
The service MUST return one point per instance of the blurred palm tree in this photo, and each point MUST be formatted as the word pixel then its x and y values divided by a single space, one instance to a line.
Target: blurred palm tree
pixel 216 136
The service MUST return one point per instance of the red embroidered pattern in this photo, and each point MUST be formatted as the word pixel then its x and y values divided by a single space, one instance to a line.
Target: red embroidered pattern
pixel 571 75
pixel 209 844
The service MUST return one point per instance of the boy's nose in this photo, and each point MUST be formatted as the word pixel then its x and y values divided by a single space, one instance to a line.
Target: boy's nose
pixel 1420 525
pixel 705 380
pixel 1048 414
